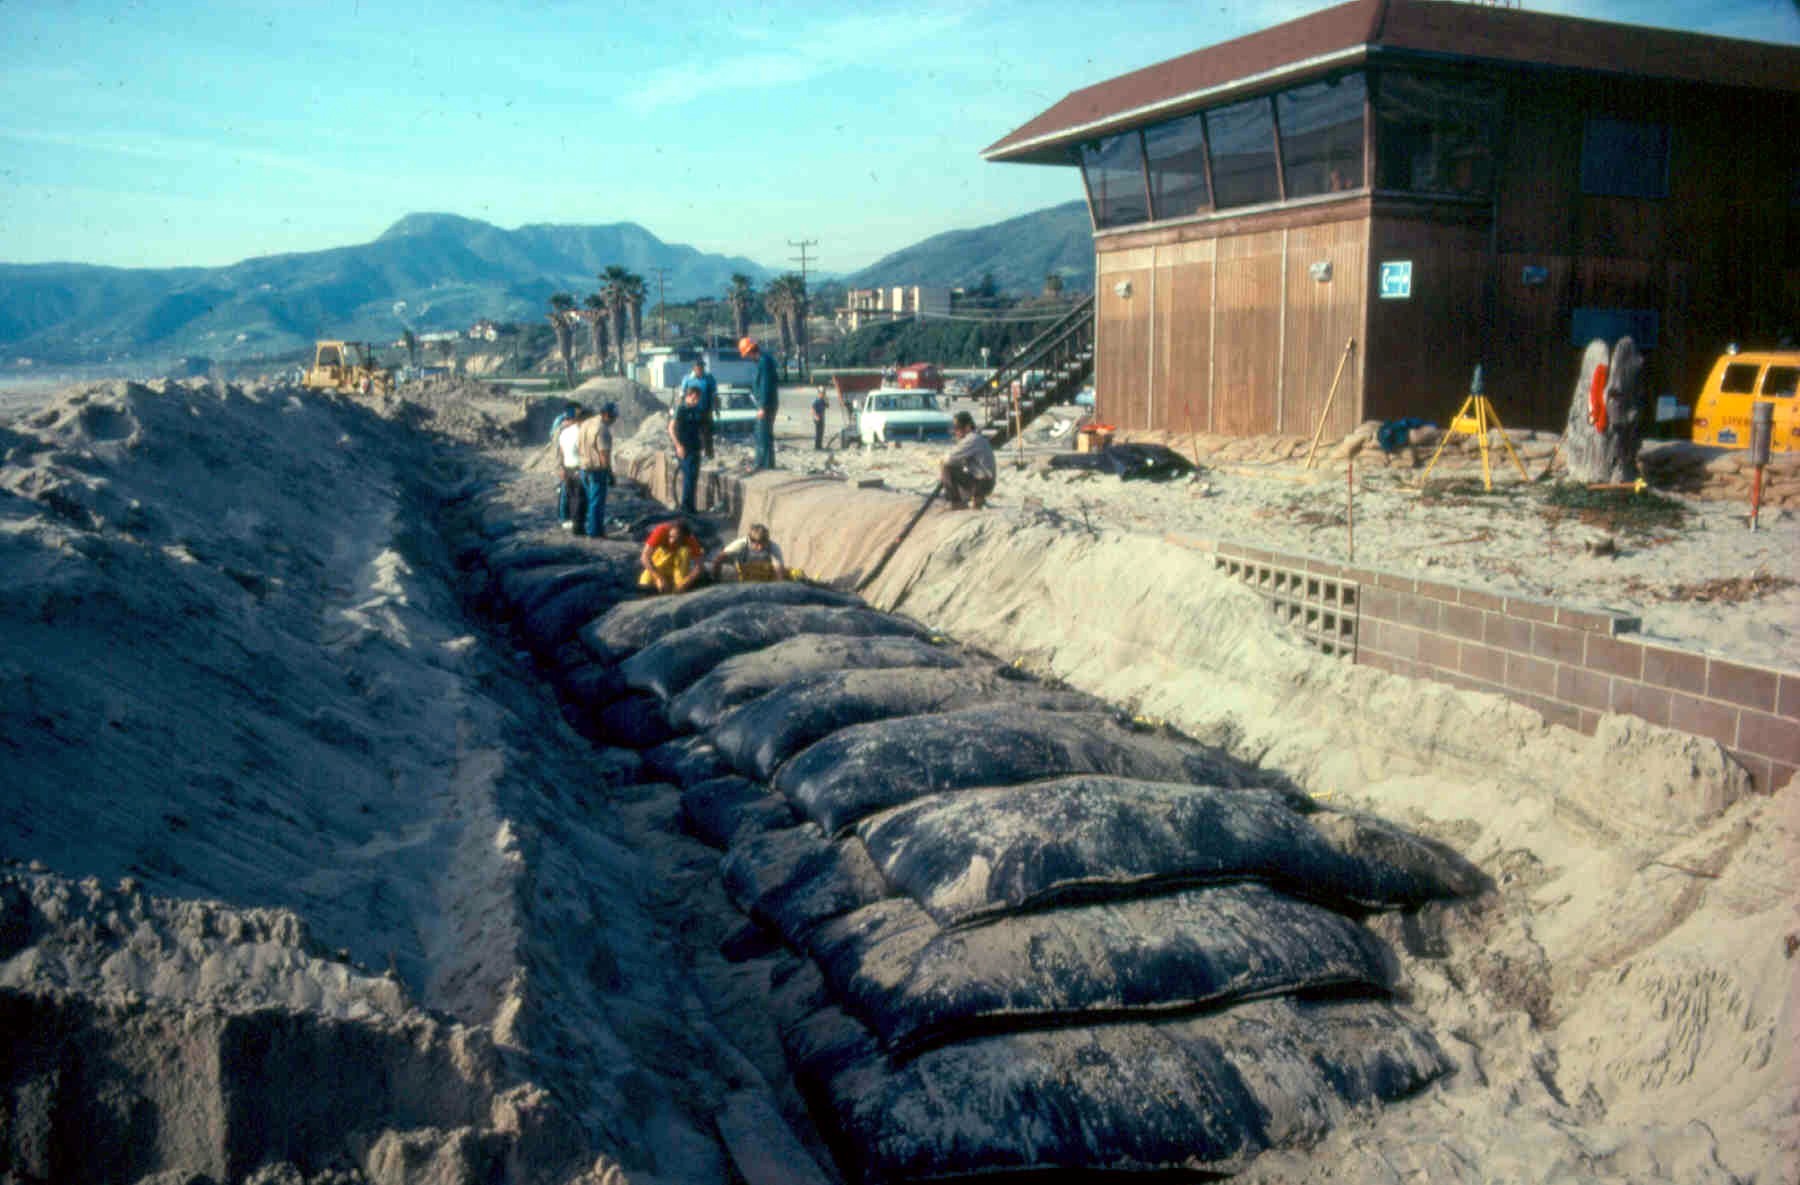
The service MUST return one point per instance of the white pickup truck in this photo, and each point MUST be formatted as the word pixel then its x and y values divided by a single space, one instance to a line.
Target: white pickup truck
pixel 890 415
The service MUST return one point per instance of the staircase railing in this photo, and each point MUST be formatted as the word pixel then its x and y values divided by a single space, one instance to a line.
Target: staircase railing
pixel 1050 369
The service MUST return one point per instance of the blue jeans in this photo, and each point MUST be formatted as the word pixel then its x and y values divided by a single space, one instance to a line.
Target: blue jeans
pixel 568 497
pixel 690 478
pixel 765 443
pixel 594 483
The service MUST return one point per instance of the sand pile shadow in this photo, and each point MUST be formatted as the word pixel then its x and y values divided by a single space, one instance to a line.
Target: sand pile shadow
pixel 243 1050
pixel 1006 929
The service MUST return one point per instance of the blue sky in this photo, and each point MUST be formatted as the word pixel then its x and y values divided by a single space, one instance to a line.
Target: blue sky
pixel 163 134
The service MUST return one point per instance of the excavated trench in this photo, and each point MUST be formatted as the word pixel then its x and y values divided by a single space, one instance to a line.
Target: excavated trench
pixel 306 884
pixel 985 922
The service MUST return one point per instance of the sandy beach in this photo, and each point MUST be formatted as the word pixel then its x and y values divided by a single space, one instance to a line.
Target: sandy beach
pixel 285 781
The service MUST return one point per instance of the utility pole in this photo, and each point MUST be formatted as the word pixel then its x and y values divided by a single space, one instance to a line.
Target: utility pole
pixel 803 244
pixel 662 307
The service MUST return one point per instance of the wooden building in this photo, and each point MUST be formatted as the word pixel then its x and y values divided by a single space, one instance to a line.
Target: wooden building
pixel 1447 184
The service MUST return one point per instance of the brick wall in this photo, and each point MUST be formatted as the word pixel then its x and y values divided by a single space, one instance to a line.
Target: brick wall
pixel 1570 665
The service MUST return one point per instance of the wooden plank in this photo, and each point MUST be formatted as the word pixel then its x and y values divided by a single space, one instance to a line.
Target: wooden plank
pixel 761 1144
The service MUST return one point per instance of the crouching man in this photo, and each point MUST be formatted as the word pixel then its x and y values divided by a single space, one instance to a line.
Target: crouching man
pixel 671 558
pixel 754 555
pixel 968 469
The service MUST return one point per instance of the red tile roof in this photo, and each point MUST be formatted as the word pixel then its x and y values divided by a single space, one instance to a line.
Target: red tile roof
pixel 1355 31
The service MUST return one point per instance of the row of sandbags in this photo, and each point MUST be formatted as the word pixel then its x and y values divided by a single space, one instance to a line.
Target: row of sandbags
pixel 1007 930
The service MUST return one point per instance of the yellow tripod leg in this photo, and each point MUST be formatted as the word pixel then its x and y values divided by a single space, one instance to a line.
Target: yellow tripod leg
pixel 1445 439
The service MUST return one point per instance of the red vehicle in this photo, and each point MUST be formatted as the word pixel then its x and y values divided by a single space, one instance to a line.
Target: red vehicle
pixel 920 376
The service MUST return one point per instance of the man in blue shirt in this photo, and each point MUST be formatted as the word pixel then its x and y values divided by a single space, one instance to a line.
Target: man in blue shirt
pixel 766 388
pixel 709 403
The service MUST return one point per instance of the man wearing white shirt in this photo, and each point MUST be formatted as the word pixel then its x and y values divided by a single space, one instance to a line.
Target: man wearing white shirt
pixel 968 470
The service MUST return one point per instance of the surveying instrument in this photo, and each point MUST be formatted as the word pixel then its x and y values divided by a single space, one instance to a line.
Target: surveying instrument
pixel 1476 419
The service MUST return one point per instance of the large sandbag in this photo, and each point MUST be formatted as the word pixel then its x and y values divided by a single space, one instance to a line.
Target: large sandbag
pixel 632 626
pixel 916 985
pixel 871 767
pixel 717 809
pixel 672 662
pixel 964 857
pixel 556 619
pixel 518 551
pixel 791 880
pixel 749 675
pixel 522 589
pixel 685 760
pixel 1201 1094
pixel 761 734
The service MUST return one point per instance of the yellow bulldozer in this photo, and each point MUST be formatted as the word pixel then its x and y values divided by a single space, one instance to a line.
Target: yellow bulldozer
pixel 348 366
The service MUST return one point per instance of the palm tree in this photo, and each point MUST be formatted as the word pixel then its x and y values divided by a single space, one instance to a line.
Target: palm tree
pixel 562 306
pixel 613 292
pixel 634 304
pixel 740 296
pixel 596 320
pixel 778 298
pixel 786 302
pixel 412 346
pixel 1053 285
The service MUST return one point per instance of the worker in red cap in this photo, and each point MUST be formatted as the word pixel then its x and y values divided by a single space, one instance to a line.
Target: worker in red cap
pixel 766 388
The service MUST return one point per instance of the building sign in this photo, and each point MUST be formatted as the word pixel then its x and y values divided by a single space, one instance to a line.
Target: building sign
pixel 1396 279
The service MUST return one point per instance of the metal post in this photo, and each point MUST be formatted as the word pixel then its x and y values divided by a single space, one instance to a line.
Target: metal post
pixel 1762 431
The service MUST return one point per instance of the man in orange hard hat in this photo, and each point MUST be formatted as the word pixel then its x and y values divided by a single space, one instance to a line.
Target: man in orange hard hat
pixel 766 388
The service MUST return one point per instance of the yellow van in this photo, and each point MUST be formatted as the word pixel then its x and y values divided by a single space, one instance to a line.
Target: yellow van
pixel 1722 413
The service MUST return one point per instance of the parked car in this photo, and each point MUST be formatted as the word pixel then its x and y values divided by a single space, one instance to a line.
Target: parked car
pixel 890 415
pixel 1737 383
pixel 736 412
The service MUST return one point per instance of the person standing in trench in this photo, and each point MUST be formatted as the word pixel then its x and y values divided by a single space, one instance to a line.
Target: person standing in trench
pixel 687 435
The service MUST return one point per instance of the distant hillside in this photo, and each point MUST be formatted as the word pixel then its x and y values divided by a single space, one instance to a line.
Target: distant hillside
pixel 450 271
pixel 1019 253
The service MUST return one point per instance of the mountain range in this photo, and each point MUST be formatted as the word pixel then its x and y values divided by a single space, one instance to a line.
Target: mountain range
pixel 440 271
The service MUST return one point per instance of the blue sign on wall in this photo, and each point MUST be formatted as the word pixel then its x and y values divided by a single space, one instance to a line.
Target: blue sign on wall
pixel 1396 279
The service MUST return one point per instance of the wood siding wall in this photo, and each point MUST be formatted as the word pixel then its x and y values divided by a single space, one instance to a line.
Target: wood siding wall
pixel 1231 333
pixel 1226 328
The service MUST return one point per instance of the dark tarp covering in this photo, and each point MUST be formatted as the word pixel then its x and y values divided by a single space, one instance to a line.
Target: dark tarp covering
pixel 916 985
pixel 1129 462
pixel 749 675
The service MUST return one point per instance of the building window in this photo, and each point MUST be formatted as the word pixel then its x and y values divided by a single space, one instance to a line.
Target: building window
pixel 1322 136
pixel 1435 134
pixel 1177 155
pixel 1242 136
pixel 1114 171
pixel 1620 158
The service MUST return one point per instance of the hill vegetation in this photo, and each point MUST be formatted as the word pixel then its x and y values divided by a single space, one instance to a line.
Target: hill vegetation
pixel 431 273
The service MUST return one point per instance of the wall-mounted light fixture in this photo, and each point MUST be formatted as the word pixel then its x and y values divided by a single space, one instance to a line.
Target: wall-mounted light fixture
pixel 1320 271
pixel 1122 290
